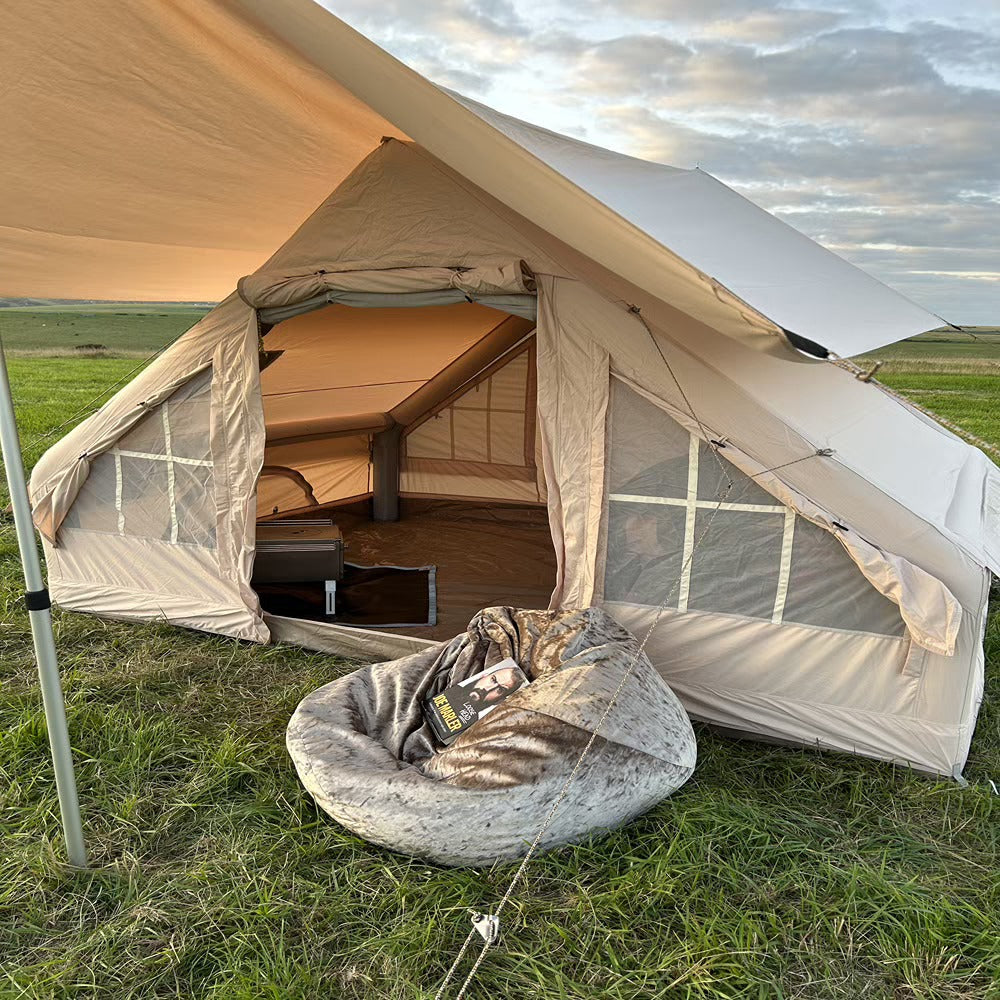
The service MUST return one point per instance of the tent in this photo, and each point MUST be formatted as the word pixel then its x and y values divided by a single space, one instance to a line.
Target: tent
pixel 560 374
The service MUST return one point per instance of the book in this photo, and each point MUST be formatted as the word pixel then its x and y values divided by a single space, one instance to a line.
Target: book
pixel 462 705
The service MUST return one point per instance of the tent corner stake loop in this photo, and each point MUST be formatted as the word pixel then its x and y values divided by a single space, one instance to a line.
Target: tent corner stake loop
pixel 488 926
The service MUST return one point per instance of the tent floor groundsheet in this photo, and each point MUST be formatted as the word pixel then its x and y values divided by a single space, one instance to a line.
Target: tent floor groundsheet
pixel 486 554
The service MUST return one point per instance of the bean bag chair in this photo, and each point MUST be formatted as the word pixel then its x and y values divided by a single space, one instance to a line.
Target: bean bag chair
pixel 365 752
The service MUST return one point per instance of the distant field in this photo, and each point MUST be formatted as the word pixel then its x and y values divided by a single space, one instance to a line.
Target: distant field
pixel 122 330
pixel 945 351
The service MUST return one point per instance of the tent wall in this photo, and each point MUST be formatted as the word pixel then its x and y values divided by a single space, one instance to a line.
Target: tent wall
pixel 482 440
pixel 342 368
pixel 143 557
pixel 399 210
pixel 301 474
pixel 790 680
pixel 880 694
pixel 344 375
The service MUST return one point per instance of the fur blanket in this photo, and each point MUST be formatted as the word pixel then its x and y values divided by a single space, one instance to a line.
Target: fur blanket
pixel 364 751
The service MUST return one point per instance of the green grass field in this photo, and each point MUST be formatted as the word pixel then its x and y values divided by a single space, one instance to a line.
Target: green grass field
pixel 116 329
pixel 981 345
pixel 774 873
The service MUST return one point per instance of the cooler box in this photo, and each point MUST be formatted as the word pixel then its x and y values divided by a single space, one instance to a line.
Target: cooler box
pixel 297 551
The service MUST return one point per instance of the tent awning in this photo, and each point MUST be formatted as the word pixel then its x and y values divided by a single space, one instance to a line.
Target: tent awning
pixel 168 157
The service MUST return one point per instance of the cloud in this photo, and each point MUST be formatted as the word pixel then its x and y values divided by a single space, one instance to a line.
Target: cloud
pixel 872 128
pixel 699 11
pixel 631 64
pixel 832 68
pixel 463 44
pixel 777 26
pixel 473 19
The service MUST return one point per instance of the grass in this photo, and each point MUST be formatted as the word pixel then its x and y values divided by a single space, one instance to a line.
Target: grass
pixel 774 873
pixel 941 352
pixel 120 330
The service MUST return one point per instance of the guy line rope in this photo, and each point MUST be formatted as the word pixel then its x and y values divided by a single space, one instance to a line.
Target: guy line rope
pixel 488 926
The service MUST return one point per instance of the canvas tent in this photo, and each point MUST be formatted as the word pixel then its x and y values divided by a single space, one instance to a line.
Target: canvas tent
pixel 579 377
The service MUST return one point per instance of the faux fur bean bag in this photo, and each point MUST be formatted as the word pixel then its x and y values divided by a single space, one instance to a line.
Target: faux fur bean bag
pixel 362 748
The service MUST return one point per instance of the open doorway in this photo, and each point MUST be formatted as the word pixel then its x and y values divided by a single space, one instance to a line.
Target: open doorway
pixel 413 431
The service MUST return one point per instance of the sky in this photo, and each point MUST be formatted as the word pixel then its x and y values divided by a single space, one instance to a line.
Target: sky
pixel 873 127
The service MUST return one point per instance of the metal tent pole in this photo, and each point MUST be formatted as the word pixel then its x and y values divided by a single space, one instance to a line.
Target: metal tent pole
pixel 37 599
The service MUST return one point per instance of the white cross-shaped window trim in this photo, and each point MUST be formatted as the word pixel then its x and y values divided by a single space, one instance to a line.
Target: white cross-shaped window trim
pixel 692 504
pixel 169 458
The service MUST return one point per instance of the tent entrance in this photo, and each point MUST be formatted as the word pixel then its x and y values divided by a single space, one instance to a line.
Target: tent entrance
pixel 414 430
pixel 484 554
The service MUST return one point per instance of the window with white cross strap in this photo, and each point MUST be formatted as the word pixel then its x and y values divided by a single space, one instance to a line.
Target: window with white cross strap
pixel 157 481
pixel 754 558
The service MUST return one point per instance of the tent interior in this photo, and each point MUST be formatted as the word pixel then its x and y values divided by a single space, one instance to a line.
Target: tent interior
pixel 414 429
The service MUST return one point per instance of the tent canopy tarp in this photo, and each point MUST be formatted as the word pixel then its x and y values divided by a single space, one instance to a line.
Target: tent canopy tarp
pixel 164 159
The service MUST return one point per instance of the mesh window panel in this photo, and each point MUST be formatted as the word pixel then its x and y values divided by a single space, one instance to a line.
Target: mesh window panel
pixel 485 424
pixel 736 566
pixel 159 497
pixel 509 385
pixel 470 434
pixel 736 562
pixel 145 503
pixel 432 439
pixel 647 451
pixel 146 436
pixel 713 480
pixel 94 509
pixel 188 411
pixel 645 548
pixel 827 589
pixel 507 438
pixel 194 505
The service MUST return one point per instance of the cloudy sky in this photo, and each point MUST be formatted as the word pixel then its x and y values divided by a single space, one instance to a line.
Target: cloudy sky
pixel 873 127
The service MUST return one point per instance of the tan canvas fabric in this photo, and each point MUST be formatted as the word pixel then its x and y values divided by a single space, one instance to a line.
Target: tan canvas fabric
pixel 160 150
pixel 573 386
pixel 339 362
pixel 860 694
pixel 368 645
pixel 884 696
pixel 168 195
pixel 323 471
pixel 931 612
pixel 326 235
pixel 480 441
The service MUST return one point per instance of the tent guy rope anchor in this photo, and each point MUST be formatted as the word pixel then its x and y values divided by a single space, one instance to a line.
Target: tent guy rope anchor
pixel 488 925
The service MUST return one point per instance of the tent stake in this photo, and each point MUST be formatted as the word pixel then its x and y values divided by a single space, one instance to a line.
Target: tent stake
pixel 37 600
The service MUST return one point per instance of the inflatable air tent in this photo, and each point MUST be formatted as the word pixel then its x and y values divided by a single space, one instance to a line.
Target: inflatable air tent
pixel 562 376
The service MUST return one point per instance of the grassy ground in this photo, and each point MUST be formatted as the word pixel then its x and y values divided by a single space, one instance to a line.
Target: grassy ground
pixel 982 345
pixel 120 330
pixel 774 873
